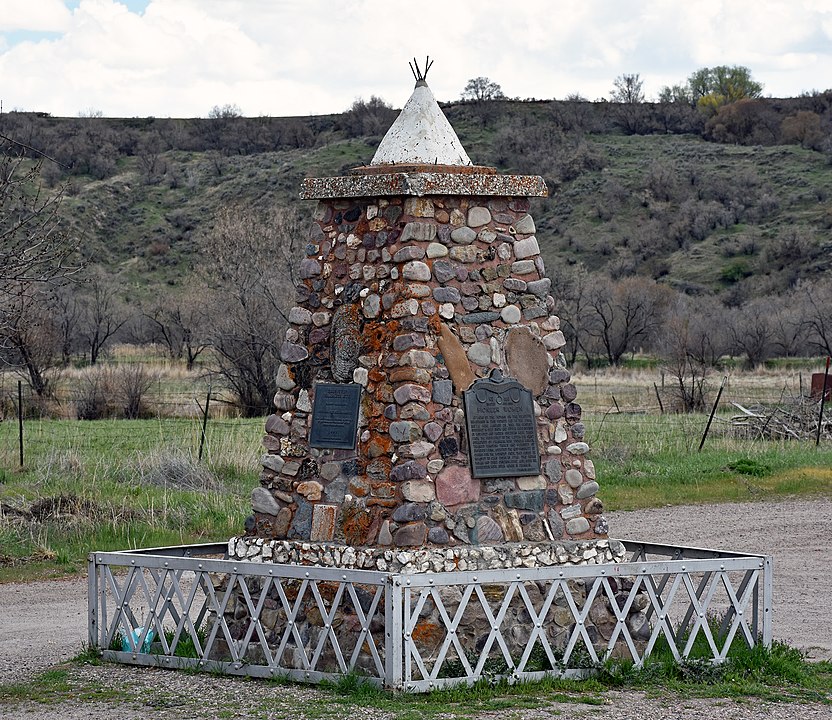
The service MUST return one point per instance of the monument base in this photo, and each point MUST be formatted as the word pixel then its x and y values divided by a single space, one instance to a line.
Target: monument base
pixel 453 602
pixel 427 559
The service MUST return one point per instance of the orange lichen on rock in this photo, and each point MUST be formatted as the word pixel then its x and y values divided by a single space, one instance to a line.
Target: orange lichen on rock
pixel 377 335
pixel 427 635
pixel 355 524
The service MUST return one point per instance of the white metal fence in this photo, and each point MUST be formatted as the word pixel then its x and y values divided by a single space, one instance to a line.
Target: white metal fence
pixel 188 607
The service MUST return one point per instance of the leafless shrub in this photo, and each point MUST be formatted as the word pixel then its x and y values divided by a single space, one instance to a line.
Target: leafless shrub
pixel 94 394
pixel 106 392
pixel 133 381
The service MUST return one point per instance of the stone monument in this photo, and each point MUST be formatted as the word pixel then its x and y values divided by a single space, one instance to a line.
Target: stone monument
pixel 423 404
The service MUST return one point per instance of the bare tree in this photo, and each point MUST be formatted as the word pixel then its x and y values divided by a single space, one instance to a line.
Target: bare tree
pixel 624 315
pixel 35 258
pixel 570 289
pixel 30 340
pixel 628 89
pixel 34 252
pixel 248 264
pixel 628 94
pixel 690 345
pixel 178 322
pixel 102 316
pixel 751 330
pixel 815 302
pixel 789 332
pixel 67 316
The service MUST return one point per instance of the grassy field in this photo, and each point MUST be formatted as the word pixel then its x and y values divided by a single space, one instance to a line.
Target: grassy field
pixel 115 484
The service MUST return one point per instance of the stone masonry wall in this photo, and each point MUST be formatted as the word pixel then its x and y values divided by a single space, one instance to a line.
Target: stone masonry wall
pixel 414 298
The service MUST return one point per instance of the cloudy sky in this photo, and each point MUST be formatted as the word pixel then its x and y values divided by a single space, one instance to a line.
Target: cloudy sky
pixel 180 58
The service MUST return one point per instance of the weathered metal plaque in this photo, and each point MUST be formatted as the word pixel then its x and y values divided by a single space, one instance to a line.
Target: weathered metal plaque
pixel 502 433
pixel 335 415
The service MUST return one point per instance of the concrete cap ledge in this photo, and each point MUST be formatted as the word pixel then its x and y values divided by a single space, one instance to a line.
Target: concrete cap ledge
pixel 422 184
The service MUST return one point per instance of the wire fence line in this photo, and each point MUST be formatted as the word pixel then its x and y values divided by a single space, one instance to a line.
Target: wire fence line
pixel 612 413
pixel 231 441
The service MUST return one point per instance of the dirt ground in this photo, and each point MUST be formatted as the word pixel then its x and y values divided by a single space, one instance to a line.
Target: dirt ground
pixel 45 623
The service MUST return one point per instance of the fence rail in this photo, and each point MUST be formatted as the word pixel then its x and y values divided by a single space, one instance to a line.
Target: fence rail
pixel 190 607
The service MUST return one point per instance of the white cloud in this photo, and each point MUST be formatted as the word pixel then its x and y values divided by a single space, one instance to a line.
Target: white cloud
pixel 281 57
pixel 34 16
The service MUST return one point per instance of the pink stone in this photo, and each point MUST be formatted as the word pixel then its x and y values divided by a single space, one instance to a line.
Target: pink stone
pixel 433 431
pixel 310 489
pixel 554 411
pixel 410 392
pixel 455 486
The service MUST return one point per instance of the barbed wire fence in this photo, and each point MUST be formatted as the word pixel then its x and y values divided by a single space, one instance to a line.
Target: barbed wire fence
pixel 182 421
pixel 201 418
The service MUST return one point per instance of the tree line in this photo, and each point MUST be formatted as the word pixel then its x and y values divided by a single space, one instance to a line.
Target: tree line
pixel 230 317
pixel 605 321
pixel 721 104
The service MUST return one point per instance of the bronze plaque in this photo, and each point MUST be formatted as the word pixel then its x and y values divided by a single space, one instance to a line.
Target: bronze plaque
pixel 335 415
pixel 502 432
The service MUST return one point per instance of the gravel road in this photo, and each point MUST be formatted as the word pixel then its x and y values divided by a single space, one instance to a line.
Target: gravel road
pixel 44 623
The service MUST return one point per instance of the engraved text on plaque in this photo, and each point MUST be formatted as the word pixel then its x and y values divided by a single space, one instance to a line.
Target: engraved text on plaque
pixel 502 434
pixel 335 415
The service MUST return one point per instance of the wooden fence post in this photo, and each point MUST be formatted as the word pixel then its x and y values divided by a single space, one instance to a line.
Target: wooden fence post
pixel 713 412
pixel 20 419
pixel 204 424
pixel 822 399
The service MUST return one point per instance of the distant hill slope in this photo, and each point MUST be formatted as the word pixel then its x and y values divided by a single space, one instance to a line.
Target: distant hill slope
pixel 746 219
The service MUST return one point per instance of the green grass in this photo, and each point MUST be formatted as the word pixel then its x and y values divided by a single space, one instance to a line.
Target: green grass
pixel 778 674
pixel 652 460
pixel 124 479
pixel 118 485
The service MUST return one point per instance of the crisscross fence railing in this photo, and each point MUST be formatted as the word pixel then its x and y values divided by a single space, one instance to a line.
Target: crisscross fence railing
pixel 189 607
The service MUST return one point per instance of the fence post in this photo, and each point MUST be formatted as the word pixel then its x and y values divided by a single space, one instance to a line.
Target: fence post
pixel 768 604
pixel 713 412
pixel 20 419
pixel 393 633
pixel 822 400
pixel 92 603
pixel 659 398
pixel 204 424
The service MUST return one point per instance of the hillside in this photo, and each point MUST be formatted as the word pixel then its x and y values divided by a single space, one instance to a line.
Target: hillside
pixel 700 216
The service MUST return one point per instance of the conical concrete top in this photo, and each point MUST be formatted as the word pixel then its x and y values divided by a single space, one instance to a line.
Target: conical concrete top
pixel 421 155
pixel 421 135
